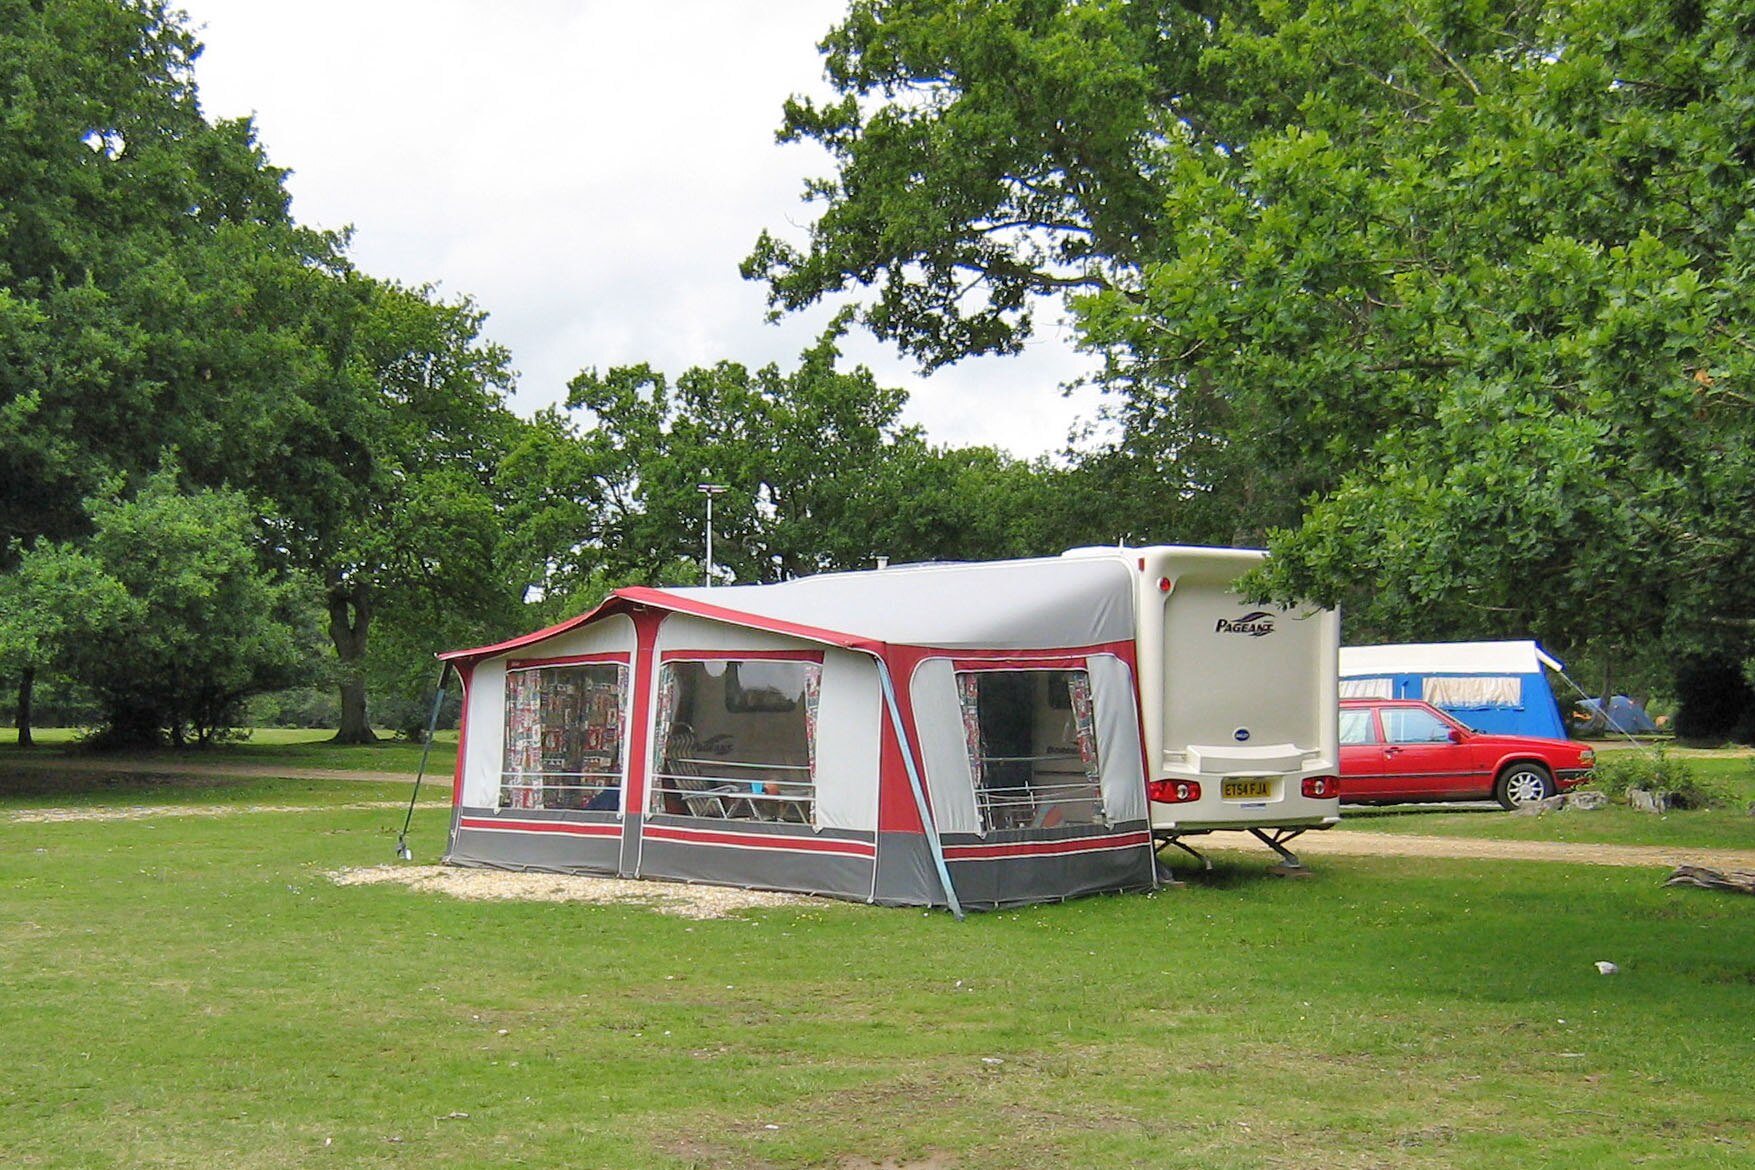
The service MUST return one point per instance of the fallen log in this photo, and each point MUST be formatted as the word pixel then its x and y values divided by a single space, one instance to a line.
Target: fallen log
pixel 1737 881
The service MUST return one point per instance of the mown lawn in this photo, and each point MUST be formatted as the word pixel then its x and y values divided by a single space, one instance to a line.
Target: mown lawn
pixel 294 748
pixel 193 991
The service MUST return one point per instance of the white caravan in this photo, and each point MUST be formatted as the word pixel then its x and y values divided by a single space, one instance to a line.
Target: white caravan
pixel 1238 701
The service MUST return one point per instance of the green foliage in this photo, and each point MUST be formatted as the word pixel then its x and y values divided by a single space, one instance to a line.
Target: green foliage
pixel 793 451
pixel 186 625
pixel 303 707
pixel 146 266
pixel 818 472
pixel 1450 305
pixel 159 305
pixel 1655 770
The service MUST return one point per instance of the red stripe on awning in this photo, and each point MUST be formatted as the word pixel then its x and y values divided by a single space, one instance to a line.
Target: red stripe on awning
pixel 515 825
pixel 832 846
pixel 1020 849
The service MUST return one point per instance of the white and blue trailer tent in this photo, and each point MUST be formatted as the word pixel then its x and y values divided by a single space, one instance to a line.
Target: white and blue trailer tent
pixel 965 735
pixel 1497 687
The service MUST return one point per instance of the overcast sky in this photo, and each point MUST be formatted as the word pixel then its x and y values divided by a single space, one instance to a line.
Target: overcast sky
pixel 589 171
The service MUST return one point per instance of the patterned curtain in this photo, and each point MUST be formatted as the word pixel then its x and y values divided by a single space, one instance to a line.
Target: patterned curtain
pixel 969 695
pixel 1078 687
pixel 813 690
pixel 668 692
pixel 521 768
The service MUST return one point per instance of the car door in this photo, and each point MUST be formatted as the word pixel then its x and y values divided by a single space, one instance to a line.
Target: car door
pixel 1420 759
pixel 1361 754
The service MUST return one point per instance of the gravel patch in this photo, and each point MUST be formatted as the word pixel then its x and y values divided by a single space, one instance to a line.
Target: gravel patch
pixel 679 898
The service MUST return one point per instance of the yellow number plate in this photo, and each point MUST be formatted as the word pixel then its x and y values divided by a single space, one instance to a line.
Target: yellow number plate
pixel 1248 789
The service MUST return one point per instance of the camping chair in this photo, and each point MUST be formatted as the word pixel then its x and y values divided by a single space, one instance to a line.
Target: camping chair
pixel 682 775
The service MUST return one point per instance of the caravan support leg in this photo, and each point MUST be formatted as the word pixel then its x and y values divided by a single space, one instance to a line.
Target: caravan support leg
pixel 1289 865
pixel 1165 876
pixel 1206 862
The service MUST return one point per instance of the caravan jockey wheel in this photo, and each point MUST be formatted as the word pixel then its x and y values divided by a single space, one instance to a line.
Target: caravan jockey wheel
pixel 1523 783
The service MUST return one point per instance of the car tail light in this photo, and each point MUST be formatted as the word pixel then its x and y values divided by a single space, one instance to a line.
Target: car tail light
pixel 1173 791
pixel 1321 787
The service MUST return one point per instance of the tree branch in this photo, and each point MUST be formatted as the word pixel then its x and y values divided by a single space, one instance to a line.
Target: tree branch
pixel 1444 56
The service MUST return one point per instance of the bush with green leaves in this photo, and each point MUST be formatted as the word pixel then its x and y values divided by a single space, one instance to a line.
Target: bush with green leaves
pixel 1656 771
pixel 163 612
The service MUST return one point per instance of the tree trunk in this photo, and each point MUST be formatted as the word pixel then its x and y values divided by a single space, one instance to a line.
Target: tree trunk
pixel 1737 881
pixel 350 613
pixel 26 684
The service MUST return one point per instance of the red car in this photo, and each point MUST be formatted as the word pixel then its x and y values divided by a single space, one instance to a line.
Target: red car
pixel 1403 750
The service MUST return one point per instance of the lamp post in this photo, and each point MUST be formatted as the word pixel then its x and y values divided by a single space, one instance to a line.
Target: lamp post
pixel 709 490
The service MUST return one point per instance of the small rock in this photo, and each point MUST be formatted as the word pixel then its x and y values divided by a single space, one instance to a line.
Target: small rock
pixel 1587 801
pixel 1604 967
pixel 1536 808
pixel 1640 800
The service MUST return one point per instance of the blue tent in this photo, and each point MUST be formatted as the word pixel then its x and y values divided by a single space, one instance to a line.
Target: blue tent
pixel 1498 687
pixel 1624 716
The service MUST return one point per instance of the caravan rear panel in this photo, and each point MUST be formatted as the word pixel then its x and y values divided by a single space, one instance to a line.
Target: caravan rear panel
pixel 1238 698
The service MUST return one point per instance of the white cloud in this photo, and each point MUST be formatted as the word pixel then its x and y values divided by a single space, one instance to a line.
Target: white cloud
pixel 590 173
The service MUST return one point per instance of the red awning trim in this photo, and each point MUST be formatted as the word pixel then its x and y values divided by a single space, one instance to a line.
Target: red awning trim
pixel 742 656
pixel 831 846
pixel 567 828
pixel 1009 850
pixel 1014 661
pixel 635 596
pixel 660 599
pixel 530 639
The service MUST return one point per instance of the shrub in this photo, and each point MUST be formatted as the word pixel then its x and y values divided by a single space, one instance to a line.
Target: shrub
pixel 1656 771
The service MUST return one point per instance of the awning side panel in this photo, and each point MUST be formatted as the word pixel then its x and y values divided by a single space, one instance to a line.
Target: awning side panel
pixel 938 721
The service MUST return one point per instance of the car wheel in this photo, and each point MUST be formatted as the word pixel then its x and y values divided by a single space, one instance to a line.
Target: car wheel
pixel 1523 783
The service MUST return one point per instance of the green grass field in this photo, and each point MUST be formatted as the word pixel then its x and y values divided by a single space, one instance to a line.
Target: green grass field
pixel 194 991
pixel 293 748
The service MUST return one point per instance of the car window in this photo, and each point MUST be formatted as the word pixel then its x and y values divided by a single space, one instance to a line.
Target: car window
pixel 1412 725
pixel 1356 727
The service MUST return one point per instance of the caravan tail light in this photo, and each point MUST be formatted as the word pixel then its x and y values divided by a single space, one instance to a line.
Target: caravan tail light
pixel 1173 791
pixel 1322 787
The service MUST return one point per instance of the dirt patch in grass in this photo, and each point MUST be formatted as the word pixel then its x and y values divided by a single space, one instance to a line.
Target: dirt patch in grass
pixel 678 898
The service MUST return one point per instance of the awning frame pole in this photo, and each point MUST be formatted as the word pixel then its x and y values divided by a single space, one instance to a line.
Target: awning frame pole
pixel 426 750
pixel 933 844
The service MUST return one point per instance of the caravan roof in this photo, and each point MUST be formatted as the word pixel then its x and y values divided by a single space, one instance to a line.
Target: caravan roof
pixel 1524 657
